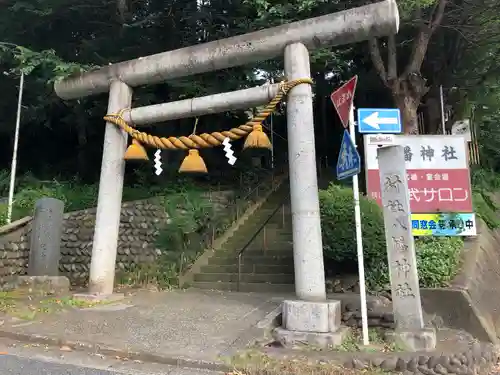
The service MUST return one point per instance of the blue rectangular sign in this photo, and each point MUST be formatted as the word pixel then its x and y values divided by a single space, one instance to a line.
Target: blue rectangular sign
pixel 349 162
pixel 379 121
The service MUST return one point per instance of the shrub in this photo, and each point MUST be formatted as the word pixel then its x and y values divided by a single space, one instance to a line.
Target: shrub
pixel 339 232
pixel 438 262
pixel 438 258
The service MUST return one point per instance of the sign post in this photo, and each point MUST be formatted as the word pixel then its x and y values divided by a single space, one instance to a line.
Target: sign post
pixel 342 100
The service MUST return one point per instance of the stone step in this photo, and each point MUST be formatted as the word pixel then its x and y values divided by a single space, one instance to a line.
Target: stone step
pixel 252 227
pixel 250 268
pixel 258 244
pixel 271 235
pixel 246 277
pixel 249 254
pixel 267 259
pixel 247 287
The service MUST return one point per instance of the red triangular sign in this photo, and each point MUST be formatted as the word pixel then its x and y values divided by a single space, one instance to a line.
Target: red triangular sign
pixel 342 100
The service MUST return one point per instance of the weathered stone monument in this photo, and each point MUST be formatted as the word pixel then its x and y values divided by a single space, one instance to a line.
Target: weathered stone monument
pixel 45 241
pixel 45 249
pixel 401 254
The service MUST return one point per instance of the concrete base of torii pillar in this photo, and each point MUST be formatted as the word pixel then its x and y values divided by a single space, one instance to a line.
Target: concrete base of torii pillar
pixel 311 318
pixel 313 323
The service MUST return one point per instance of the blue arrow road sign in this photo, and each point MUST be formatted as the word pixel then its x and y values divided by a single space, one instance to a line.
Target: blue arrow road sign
pixel 379 120
pixel 349 163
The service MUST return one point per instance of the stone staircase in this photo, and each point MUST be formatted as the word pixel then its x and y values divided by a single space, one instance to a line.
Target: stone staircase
pixel 267 263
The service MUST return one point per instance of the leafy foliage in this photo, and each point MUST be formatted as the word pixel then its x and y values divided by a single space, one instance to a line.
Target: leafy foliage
pixel 485 185
pixel 438 259
pixel 25 61
pixel 337 217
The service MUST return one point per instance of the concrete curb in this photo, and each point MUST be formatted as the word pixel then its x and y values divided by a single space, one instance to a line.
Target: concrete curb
pixel 110 351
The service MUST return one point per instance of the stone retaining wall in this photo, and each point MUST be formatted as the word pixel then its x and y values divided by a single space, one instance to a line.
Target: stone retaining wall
pixel 377 318
pixel 465 359
pixel 14 251
pixel 139 225
pixel 472 302
pixel 477 358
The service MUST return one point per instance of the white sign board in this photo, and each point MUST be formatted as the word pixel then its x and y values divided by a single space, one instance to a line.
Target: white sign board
pixel 424 151
pixel 437 169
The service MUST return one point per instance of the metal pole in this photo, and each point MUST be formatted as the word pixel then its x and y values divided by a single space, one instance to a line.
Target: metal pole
pixel 346 27
pixel 14 151
pixel 307 243
pixel 359 238
pixel 441 99
pixel 109 200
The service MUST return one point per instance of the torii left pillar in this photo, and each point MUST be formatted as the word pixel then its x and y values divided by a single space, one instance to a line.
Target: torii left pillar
pixel 109 201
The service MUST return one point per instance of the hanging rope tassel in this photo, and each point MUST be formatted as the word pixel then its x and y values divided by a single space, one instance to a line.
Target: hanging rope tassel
pixel 136 151
pixel 193 163
pixel 256 138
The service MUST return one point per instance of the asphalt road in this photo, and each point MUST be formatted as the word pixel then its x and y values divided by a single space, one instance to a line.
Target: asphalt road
pixel 31 359
pixel 12 365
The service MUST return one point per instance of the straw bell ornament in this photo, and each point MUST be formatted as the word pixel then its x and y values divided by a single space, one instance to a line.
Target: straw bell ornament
pixel 193 163
pixel 257 139
pixel 136 151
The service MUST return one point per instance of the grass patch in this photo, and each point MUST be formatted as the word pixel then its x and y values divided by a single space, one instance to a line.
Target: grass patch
pixel 28 306
pixel 354 342
pixel 257 363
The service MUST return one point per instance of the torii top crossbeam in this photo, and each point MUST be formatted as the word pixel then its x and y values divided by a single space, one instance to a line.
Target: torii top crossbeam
pixel 349 26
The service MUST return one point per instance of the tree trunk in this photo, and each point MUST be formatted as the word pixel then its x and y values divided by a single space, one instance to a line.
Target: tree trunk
pixel 408 106
pixel 407 93
pixel 433 113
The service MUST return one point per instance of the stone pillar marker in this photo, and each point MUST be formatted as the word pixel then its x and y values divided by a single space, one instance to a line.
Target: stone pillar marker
pixel 45 241
pixel 402 260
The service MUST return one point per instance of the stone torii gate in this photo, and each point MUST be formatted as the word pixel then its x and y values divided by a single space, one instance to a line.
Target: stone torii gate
pixel 291 40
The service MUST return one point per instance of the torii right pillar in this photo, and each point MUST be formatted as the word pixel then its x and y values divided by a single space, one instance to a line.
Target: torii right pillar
pixel 311 318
